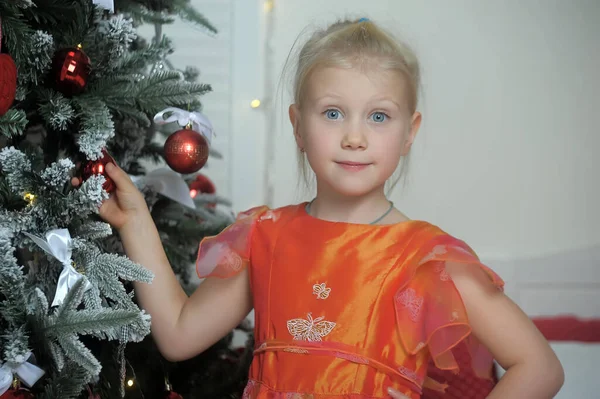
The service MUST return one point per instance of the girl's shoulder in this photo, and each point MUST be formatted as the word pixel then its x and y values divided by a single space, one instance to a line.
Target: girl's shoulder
pixel 427 298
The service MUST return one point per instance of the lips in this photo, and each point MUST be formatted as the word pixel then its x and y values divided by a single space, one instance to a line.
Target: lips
pixel 352 166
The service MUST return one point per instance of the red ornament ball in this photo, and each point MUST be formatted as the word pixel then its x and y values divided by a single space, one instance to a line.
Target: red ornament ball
pixel 173 395
pixel 186 151
pixel 71 68
pixel 202 185
pixel 18 393
pixel 98 167
pixel 8 82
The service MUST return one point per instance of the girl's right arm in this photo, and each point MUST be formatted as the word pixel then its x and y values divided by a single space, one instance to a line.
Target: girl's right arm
pixel 182 326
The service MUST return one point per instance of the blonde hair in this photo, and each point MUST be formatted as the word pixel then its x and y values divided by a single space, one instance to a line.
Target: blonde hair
pixel 355 44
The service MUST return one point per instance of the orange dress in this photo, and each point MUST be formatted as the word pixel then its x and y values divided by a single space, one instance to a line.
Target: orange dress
pixel 346 310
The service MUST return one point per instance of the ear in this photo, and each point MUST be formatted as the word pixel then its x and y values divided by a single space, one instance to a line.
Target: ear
pixel 415 124
pixel 294 112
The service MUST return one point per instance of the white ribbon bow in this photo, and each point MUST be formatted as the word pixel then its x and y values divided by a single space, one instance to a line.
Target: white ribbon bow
pixel 107 4
pixel 200 123
pixel 58 244
pixel 168 183
pixel 28 373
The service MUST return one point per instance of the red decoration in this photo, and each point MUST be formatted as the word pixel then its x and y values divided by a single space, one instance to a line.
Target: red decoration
pixel 186 151
pixel 8 82
pixel 18 393
pixel 98 167
pixel 568 328
pixel 92 394
pixel 202 185
pixel 169 394
pixel 71 68
pixel 465 384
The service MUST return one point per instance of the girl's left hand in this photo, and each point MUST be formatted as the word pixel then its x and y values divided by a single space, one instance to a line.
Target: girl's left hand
pixel 395 394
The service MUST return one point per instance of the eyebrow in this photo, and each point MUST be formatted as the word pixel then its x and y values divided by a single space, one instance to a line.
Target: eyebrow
pixel 328 96
pixel 385 99
pixel 335 96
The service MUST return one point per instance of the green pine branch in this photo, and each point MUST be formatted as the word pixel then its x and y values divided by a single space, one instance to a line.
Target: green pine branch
pixel 77 352
pixel 12 283
pixel 147 96
pixel 188 13
pixel 52 12
pixel 93 230
pixel 166 89
pixel 57 355
pixel 150 11
pixel 90 322
pixel 134 61
pixel 13 123
pixel 65 384
pixel 16 35
pixel 142 14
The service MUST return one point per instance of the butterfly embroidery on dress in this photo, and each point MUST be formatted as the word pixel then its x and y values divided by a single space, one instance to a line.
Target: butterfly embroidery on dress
pixel 412 302
pixel 233 260
pixel 321 291
pixel 309 329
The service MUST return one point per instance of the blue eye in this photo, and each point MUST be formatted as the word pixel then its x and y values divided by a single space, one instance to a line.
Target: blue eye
pixel 379 117
pixel 333 114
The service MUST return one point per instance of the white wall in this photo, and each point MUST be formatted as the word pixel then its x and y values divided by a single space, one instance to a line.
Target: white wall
pixel 506 156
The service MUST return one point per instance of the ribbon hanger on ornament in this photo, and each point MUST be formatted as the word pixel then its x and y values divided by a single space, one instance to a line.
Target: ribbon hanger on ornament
pixel 199 122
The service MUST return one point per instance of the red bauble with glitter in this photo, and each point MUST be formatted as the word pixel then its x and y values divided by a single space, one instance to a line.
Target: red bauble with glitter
pixel 202 185
pixel 186 151
pixel 71 68
pixel 8 82
pixel 18 393
pixel 98 167
pixel 173 395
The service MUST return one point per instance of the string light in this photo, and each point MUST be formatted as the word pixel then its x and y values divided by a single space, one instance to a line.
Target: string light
pixel 130 383
pixel 269 5
pixel 29 197
pixel 255 103
pixel 77 268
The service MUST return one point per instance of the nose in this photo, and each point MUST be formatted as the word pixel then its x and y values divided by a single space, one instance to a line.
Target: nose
pixel 354 139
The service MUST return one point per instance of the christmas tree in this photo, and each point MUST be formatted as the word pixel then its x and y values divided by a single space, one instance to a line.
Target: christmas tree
pixel 77 83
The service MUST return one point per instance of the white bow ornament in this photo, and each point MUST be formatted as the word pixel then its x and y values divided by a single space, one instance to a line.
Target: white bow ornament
pixel 28 373
pixel 58 244
pixel 199 122
pixel 168 183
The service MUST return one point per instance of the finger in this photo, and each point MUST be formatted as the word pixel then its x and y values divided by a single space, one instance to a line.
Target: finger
pixel 117 174
pixel 395 394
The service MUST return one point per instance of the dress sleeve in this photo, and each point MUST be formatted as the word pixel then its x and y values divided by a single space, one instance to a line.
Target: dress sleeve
pixel 228 253
pixel 429 301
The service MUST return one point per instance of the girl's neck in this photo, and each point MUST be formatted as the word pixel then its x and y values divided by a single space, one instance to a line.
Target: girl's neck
pixel 359 210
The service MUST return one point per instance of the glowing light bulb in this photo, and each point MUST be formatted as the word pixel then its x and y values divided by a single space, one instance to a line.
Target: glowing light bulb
pixel 29 197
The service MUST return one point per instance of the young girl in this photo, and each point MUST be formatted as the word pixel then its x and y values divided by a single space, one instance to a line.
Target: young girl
pixel 352 299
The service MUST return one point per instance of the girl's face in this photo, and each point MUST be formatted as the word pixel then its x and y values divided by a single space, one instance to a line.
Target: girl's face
pixel 354 126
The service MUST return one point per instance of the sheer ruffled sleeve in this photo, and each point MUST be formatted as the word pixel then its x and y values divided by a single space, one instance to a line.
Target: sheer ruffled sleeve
pixel 228 253
pixel 429 310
